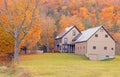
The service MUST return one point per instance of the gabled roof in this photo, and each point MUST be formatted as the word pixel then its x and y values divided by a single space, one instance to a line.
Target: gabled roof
pixel 86 34
pixel 68 29
pixel 75 38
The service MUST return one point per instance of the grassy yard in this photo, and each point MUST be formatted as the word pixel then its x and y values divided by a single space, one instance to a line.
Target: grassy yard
pixel 67 65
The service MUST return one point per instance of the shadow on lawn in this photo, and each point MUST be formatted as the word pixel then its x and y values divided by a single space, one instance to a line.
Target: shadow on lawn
pixel 109 59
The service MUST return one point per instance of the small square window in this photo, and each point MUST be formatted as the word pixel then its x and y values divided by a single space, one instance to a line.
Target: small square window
pixel 74 32
pixel 111 48
pixel 106 36
pixel 105 48
pixel 96 35
pixel 94 47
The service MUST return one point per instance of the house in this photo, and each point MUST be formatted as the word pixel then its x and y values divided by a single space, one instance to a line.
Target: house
pixel 64 42
pixel 95 43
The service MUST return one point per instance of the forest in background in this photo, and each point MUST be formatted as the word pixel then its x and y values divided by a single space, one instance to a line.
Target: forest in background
pixel 53 16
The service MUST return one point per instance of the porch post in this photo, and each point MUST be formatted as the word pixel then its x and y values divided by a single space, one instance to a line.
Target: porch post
pixel 70 48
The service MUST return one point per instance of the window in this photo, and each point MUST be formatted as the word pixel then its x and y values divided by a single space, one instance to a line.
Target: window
pixel 94 47
pixel 96 35
pixel 106 36
pixel 105 48
pixel 65 40
pixel 74 32
pixel 60 40
pixel 83 47
pixel 80 47
pixel 101 30
pixel 111 48
pixel 60 47
pixel 107 56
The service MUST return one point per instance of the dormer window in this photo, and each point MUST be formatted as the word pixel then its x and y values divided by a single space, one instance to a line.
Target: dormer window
pixel 74 33
pixel 96 35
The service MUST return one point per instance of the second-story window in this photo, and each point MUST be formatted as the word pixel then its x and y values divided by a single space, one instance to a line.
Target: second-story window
pixel 106 36
pixel 74 33
pixel 94 47
pixel 111 48
pixel 105 48
pixel 96 35
pixel 101 30
pixel 65 40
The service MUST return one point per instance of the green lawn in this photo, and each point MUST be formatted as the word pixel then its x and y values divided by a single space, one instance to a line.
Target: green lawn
pixel 69 65
pixel 65 65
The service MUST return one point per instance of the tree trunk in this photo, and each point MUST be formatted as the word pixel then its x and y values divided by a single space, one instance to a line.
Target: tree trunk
pixel 16 45
pixel 47 41
pixel 16 59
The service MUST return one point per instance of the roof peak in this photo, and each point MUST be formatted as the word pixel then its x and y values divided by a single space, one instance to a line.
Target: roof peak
pixel 67 29
pixel 86 34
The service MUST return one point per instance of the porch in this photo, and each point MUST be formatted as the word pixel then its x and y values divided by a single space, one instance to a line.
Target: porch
pixel 68 48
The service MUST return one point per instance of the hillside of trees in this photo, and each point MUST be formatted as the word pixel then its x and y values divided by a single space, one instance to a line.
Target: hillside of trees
pixel 52 16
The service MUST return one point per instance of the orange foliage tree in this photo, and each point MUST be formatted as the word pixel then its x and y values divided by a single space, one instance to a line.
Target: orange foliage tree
pixel 6 42
pixel 47 30
pixel 107 14
pixel 16 18
pixel 32 37
pixel 66 21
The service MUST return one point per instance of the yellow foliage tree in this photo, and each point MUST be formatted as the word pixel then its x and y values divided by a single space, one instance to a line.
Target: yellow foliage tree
pixel 83 12
pixel 66 21
pixel 32 37
pixel 47 29
pixel 6 42
pixel 16 17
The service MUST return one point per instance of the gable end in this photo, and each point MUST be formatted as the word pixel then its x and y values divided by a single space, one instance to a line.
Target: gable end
pixel 105 31
pixel 69 31
pixel 109 34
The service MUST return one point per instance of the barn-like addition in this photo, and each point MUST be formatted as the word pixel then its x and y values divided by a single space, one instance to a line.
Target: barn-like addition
pixel 95 43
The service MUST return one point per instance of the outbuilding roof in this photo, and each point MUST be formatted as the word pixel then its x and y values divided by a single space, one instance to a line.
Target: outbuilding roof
pixel 86 34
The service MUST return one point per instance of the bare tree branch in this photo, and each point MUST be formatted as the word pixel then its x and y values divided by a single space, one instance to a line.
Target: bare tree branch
pixel 15 6
pixel 20 29
pixel 8 14
pixel 28 27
